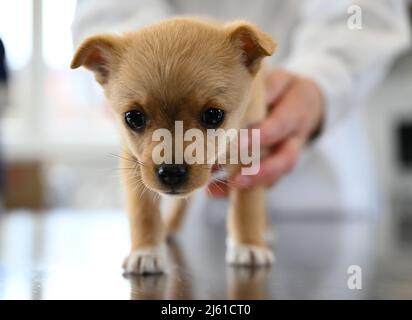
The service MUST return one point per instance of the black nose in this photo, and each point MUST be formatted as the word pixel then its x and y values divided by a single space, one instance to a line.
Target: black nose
pixel 172 175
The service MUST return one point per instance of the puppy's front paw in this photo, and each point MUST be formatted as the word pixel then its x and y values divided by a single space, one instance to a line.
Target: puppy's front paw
pixel 248 255
pixel 145 261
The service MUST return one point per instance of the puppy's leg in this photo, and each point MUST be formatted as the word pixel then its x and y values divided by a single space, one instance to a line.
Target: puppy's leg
pixel 174 218
pixel 147 254
pixel 246 225
pixel 146 229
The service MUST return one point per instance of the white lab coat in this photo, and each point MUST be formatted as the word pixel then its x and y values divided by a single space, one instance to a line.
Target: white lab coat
pixel 336 171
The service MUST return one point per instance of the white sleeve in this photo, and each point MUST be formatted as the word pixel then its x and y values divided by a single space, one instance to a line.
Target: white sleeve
pixel 347 63
pixel 114 16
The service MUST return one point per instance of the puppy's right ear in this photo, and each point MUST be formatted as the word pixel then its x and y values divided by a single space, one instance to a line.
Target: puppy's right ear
pixel 98 54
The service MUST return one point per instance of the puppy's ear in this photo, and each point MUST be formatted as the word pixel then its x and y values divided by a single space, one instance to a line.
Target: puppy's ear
pixel 253 43
pixel 98 54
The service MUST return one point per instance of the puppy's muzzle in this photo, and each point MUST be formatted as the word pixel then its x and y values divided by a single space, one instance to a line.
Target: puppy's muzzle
pixel 172 175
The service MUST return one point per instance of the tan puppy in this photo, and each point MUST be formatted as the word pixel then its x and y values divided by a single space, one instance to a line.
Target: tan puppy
pixel 205 74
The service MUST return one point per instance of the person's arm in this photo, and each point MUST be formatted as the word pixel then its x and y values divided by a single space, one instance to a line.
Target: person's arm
pixel 113 16
pixel 345 63
pixel 331 68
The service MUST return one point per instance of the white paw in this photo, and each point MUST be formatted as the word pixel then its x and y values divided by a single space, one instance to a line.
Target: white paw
pixel 248 255
pixel 145 261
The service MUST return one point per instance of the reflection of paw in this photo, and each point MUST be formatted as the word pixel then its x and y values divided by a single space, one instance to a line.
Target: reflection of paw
pixel 147 287
pixel 248 255
pixel 144 261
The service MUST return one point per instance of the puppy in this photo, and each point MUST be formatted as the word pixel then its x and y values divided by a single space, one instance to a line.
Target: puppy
pixel 207 75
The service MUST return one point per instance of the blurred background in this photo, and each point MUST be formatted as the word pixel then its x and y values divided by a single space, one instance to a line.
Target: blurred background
pixel 58 144
pixel 51 129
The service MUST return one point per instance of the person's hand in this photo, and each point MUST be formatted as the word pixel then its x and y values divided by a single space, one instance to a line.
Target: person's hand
pixel 296 109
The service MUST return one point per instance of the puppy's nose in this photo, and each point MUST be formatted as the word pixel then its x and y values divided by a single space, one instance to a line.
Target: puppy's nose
pixel 172 175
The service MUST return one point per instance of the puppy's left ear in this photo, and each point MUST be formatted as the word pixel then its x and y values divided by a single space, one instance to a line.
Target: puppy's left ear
pixel 99 54
pixel 253 43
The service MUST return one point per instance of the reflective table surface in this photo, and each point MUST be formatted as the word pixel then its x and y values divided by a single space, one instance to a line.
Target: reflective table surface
pixel 65 254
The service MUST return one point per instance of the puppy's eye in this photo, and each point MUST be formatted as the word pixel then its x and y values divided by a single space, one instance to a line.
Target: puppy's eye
pixel 135 119
pixel 212 117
